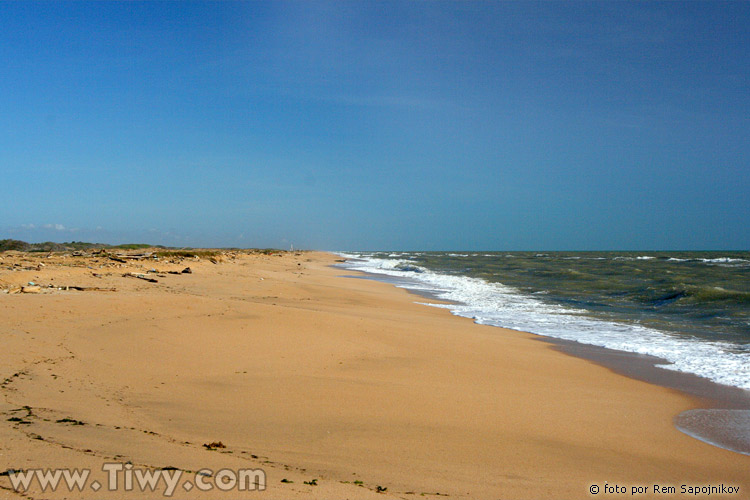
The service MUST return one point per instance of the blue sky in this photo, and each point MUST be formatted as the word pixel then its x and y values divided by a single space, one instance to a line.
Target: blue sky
pixel 377 125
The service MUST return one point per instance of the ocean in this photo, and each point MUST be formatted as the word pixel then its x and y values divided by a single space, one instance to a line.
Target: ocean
pixel 692 309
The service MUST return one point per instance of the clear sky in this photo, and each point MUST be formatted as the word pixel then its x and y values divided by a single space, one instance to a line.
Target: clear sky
pixel 377 125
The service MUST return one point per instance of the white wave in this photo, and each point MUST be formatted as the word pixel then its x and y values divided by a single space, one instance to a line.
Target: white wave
pixel 499 305
pixel 718 261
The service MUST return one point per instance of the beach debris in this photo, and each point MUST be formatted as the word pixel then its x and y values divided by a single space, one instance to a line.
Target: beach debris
pixel 8 472
pixel 91 288
pixel 311 482
pixel 67 420
pixel 140 276
pixel 380 489
pixel 187 270
pixel 285 480
pixel 124 257
pixel 31 289
pixel 135 256
pixel 214 445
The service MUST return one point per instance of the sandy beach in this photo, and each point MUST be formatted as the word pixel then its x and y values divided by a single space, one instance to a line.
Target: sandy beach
pixel 315 377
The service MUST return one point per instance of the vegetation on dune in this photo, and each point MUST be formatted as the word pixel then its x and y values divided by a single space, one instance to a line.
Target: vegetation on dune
pixel 48 246
pixel 12 245
pixel 161 251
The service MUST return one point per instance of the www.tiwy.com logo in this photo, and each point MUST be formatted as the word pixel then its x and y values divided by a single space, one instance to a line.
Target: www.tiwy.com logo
pixel 124 477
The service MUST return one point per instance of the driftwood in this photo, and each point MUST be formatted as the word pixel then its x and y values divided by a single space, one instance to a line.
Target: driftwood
pixel 90 289
pixel 124 257
pixel 187 270
pixel 140 276
pixel 135 256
